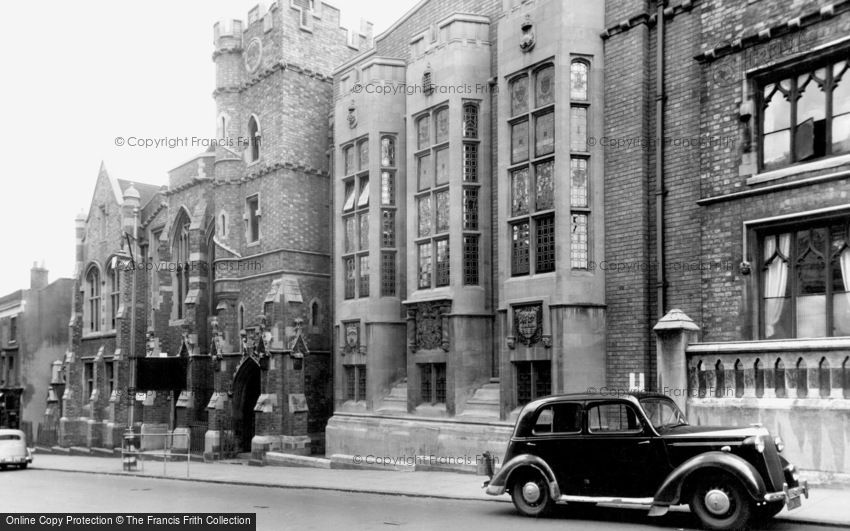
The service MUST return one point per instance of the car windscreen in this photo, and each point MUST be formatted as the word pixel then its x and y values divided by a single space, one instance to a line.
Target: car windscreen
pixel 663 413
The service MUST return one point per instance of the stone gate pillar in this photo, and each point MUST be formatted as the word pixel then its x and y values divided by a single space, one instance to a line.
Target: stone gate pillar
pixel 675 332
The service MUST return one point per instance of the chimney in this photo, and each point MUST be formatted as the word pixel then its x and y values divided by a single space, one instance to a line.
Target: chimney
pixel 38 277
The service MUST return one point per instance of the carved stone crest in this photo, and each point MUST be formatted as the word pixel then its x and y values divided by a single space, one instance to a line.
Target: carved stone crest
pixel 432 326
pixel 528 39
pixel 352 338
pixel 528 323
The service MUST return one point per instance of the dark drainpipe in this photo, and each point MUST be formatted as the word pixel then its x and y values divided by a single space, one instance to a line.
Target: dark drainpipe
pixel 659 160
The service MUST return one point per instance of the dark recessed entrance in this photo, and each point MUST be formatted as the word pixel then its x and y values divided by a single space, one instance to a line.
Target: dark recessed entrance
pixel 246 391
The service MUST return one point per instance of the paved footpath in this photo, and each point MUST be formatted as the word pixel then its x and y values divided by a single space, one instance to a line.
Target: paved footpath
pixel 824 506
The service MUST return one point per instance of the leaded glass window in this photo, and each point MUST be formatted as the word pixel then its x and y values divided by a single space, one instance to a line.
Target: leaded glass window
pixel 470 163
pixel 388 274
pixel 363 199
pixel 388 228
pixel 544 134
pixel 442 158
pixel 520 250
pixel 578 81
pixel 470 208
pixel 361 382
pixel 423 132
pixel 519 142
pixel 544 86
pixel 364 231
pixel 426 386
pixel 348 268
pixel 364 276
pixel 578 128
pixel 578 182
pixel 388 151
pixel 545 256
pixel 348 204
pixel 442 200
pixel 424 211
pixel 470 120
pixel 470 260
pixel 364 154
pixel 545 184
pixel 350 231
pixel 350 379
pixel 578 242
pixel 441 118
pixel 533 380
pixel 519 192
pixel 519 95
pixel 443 259
pixel 387 188
pixel 424 172
pixel 348 158
pixel 424 265
pixel 440 383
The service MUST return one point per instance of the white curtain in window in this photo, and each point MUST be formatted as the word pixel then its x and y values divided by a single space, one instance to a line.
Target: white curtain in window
pixel 776 280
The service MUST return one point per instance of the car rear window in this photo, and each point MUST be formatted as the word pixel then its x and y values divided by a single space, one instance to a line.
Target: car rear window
pixel 558 418
pixel 612 418
pixel 10 437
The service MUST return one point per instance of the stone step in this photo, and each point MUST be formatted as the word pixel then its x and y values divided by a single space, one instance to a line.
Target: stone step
pixel 484 403
pixel 396 399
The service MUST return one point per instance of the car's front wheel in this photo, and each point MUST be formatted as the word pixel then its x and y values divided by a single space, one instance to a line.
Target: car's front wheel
pixel 23 466
pixel 530 494
pixel 721 503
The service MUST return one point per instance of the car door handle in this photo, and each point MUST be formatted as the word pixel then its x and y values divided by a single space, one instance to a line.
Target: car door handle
pixel 531 444
pixel 643 442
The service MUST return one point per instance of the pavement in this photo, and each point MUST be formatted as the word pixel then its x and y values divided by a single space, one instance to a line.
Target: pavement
pixel 825 505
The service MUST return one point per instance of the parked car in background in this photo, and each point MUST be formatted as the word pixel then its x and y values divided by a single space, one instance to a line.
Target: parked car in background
pixel 638 449
pixel 13 449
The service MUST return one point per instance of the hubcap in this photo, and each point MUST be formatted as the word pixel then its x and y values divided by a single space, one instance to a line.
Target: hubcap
pixel 717 502
pixel 531 492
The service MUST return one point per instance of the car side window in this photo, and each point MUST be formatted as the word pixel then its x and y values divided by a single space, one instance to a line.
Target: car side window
pixel 558 418
pixel 612 418
pixel 12 437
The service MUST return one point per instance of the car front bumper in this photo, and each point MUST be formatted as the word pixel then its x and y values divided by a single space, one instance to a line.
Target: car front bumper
pixel 15 460
pixel 790 495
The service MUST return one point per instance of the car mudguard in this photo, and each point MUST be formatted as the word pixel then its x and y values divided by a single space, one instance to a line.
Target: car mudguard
pixel 499 483
pixel 670 491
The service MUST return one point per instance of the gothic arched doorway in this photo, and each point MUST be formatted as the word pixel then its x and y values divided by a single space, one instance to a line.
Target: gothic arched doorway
pixel 246 391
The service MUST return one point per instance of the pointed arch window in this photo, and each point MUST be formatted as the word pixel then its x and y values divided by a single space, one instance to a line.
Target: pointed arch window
pixel 180 254
pixel 92 291
pixel 114 276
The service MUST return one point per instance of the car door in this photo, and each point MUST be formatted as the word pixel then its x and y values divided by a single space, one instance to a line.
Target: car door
pixel 624 456
pixel 556 436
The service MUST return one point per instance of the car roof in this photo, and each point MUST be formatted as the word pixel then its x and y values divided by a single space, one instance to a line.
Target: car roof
pixel 4 431
pixel 611 394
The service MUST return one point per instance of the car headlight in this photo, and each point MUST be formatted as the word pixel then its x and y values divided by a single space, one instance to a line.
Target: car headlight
pixel 756 441
pixel 780 444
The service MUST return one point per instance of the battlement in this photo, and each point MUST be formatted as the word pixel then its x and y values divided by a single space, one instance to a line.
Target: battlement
pixel 229 33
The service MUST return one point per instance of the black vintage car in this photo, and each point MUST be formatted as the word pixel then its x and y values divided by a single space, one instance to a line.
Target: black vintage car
pixel 637 448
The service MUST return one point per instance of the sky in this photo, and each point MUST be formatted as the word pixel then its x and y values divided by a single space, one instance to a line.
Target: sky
pixel 76 75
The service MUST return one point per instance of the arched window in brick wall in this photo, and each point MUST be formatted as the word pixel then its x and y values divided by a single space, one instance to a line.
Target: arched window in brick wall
pixel 180 256
pixel 114 277
pixel 92 296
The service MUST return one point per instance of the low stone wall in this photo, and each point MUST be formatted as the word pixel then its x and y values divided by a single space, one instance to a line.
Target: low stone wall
pixel 407 441
pixel 816 432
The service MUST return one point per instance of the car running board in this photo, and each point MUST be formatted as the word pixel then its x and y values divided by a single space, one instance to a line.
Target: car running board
pixel 604 499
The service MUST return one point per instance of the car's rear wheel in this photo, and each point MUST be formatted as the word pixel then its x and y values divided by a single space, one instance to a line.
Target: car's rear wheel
pixel 530 493
pixel 23 466
pixel 4 467
pixel 721 503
